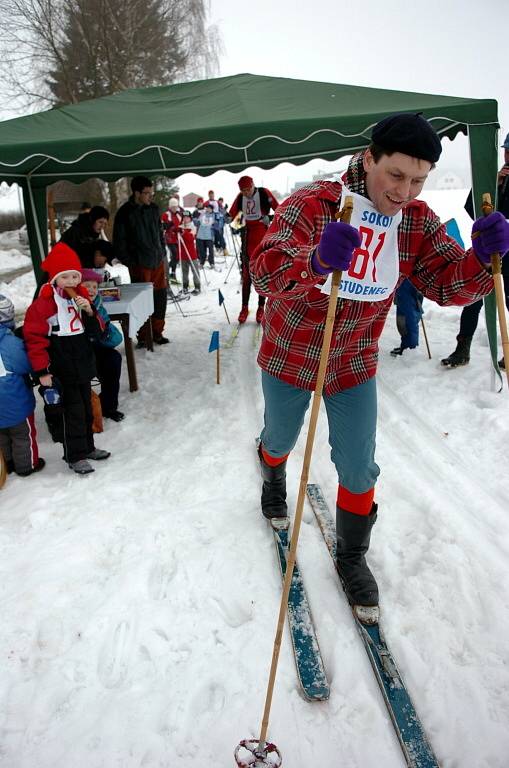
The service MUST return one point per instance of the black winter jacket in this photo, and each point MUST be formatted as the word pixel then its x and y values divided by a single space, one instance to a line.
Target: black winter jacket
pixel 82 238
pixel 138 237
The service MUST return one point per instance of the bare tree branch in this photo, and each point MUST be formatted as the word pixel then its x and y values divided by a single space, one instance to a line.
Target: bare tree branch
pixel 63 51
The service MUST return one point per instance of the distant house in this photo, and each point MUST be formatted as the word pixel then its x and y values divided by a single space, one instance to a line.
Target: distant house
pixel 299 185
pixel 189 201
pixel 332 175
pixel 450 180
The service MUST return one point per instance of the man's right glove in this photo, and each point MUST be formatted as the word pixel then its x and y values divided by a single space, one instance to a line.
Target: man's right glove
pixel 490 234
pixel 336 247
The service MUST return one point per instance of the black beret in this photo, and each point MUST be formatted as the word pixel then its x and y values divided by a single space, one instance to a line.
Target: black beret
pixel 409 134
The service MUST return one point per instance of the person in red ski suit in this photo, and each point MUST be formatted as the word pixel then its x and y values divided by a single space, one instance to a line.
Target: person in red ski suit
pixel 188 255
pixel 392 236
pixel 255 204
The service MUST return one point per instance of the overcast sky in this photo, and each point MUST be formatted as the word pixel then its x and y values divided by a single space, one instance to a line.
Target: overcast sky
pixel 451 47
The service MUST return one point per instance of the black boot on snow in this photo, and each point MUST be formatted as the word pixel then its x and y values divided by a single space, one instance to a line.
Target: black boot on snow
pixel 354 532
pixel 274 489
pixel 461 355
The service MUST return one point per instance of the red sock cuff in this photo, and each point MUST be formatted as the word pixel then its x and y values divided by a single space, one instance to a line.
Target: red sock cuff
pixel 273 461
pixel 357 503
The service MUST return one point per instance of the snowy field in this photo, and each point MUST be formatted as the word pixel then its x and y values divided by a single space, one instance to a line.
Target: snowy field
pixel 139 603
pixel 13 253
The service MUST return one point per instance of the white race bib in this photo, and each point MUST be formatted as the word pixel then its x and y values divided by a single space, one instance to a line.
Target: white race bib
pixel 251 207
pixel 374 270
pixel 67 321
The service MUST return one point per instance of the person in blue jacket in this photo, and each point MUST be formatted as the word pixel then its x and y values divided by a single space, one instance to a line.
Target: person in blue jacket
pixel 408 315
pixel 108 361
pixel 18 437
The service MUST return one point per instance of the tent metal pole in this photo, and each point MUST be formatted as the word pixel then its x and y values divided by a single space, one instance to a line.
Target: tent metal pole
pixel 36 220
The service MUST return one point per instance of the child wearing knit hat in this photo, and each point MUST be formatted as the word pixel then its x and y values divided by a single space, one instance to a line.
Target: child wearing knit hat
pixel 18 442
pixel 108 361
pixel 57 330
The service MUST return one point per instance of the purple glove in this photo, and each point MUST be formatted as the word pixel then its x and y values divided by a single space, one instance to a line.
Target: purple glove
pixel 336 247
pixel 493 236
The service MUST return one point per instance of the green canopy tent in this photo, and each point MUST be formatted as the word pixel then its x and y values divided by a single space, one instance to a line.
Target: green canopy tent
pixel 225 123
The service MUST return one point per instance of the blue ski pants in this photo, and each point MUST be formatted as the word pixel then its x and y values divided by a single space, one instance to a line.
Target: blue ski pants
pixel 351 415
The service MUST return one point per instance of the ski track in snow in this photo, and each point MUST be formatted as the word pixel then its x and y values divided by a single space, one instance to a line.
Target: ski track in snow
pixel 140 604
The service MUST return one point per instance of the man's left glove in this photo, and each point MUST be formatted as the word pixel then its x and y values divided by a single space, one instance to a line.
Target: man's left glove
pixel 492 237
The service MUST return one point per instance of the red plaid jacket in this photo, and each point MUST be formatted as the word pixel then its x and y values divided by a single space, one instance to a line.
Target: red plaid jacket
pixel 296 309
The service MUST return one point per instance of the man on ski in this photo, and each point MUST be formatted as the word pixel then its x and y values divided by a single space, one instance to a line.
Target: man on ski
pixel 392 236
pixel 255 204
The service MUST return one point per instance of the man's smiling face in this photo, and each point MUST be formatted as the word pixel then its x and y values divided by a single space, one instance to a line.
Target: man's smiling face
pixel 394 180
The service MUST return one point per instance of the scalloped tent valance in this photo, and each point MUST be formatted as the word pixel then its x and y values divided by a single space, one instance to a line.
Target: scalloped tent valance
pixel 225 123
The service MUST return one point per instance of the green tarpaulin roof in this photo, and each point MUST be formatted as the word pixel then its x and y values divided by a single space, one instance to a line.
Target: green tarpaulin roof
pixel 223 123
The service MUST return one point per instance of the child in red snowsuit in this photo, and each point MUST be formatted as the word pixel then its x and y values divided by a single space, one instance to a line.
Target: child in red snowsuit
pixel 188 256
pixel 56 332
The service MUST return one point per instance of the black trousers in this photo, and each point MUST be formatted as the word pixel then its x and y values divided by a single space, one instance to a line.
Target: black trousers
pixel 77 420
pixel 219 241
pixel 174 257
pixel 470 313
pixel 109 364
pixel 205 247
pixel 246 283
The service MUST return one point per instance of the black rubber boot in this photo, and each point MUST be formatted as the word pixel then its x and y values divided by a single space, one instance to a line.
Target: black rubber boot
pixel 274 489
pixel 461 355
pixel 354 532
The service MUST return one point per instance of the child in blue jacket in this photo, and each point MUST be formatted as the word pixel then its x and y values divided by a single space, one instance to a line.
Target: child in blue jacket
pixel 18 437
pixel 108 361
pixel 408 316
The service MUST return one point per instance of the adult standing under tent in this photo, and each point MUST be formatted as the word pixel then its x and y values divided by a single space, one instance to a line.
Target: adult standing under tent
pixel 255 204
pixel 470 314
pixel 392 236
pixel 138 241
pixel 85 231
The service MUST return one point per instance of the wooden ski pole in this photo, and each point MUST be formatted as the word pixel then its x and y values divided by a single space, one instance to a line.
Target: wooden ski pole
pixel 344 215
pixel 496 268
pixel 425 337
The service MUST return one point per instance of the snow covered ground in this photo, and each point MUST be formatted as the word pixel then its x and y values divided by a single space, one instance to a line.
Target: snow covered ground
pixel 139 604
pixel 13 253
